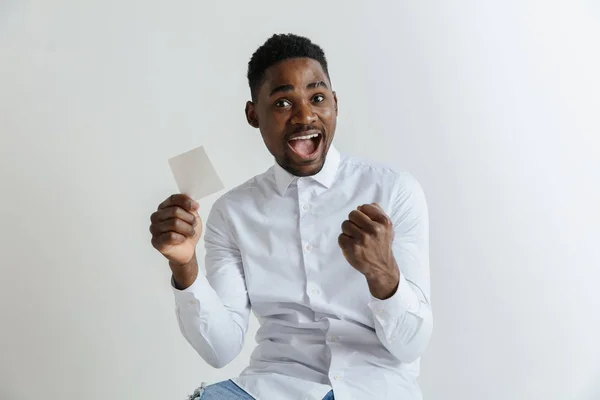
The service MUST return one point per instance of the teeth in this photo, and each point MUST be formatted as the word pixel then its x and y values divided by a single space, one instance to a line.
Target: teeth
pixel 306 137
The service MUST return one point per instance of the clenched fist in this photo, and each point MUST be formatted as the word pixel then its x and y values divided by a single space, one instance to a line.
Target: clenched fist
pixel 176 228
pixel 366 242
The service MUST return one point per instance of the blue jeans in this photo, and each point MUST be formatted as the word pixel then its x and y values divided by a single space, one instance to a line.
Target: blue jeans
pixel 227 390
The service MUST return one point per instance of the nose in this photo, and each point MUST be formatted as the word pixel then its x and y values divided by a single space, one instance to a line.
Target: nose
pixel 303 114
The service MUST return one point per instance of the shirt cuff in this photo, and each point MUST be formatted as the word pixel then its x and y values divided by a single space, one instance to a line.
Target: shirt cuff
pixel 199 292
pixel 404 300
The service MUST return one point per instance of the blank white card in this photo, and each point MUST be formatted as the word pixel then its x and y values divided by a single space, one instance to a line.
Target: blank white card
pixel 195 174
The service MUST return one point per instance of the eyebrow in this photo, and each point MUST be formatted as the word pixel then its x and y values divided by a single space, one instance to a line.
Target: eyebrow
pixel 316 85
pixel 289 88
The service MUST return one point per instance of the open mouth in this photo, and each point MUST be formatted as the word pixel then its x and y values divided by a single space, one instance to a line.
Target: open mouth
pixel 306 144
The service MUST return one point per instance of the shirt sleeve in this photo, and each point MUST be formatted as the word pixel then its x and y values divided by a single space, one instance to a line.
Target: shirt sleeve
pixel 213 312
pixel 404 322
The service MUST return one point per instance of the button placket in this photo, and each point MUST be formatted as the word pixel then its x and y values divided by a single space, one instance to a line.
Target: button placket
pixel 309 249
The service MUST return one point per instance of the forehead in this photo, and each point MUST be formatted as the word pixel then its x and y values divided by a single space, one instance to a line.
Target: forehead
pixel 297 72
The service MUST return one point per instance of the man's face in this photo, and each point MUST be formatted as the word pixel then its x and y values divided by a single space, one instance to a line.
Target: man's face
pixel 296 111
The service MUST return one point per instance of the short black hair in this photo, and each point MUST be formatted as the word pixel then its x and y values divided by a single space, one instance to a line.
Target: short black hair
pixel 281 47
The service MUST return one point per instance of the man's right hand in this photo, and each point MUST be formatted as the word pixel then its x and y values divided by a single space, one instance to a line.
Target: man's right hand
pixel 176 228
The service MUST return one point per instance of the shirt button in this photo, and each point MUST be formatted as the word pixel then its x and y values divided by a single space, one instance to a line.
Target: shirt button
pixel 192 302
pixel 337 377
pixel 308 247
pixel 333 338
pixel 316 292
pixel 306 207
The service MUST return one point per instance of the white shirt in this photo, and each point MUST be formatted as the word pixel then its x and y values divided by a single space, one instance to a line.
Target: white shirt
pixel 272 247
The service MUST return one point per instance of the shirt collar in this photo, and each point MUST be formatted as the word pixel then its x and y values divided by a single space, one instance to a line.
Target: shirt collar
pixel 325 177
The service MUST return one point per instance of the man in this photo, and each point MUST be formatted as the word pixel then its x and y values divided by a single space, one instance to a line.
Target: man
pixel 330 253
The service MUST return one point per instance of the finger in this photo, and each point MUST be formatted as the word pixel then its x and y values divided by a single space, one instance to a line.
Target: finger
pixel 344 241
pixel 349 228
pixel 180 200
pixel 362 220
pixel 167 239
pixel 174 212
pixel 175 225
pixel 375 212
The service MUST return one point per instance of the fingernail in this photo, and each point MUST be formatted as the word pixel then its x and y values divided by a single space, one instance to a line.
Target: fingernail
pixel 195 205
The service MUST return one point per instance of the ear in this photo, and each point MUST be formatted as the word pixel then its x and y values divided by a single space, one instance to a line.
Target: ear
pixel 335 103
pixel 251 116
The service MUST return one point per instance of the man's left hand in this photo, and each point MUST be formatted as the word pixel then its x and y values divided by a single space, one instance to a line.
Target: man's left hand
pixel 366 242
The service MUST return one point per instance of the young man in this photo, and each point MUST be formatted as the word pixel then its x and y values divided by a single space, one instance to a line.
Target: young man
pixel 330 253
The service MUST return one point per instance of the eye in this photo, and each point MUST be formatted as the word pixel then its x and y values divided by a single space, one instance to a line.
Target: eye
pixel 282 103
pixel 319 98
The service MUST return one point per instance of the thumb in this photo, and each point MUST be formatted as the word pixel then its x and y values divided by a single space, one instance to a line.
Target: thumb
pixel 193 208
pixel 197 220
